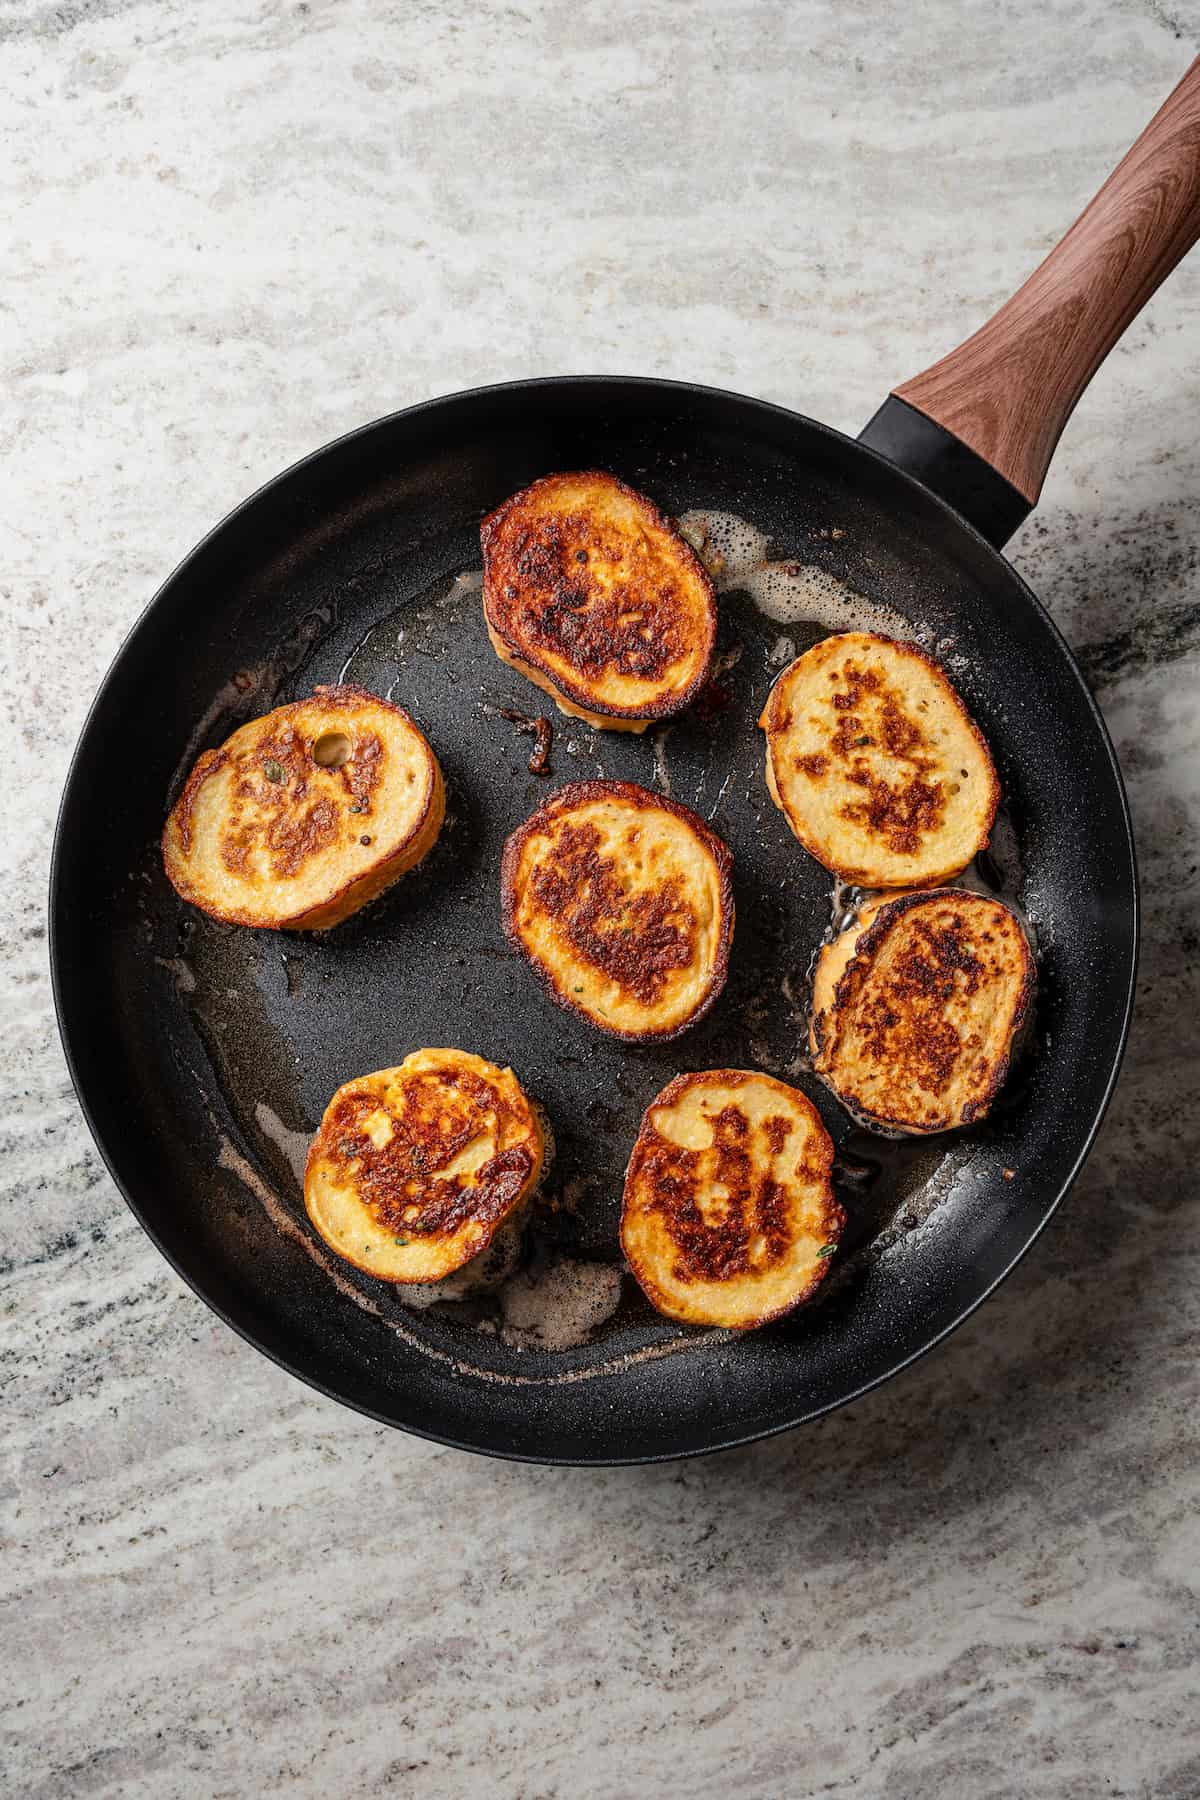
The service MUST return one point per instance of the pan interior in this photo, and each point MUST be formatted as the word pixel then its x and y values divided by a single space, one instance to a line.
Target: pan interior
pixel 206 1053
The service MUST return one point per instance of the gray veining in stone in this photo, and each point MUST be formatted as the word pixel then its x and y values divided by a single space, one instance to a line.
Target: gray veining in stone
pixel 231 232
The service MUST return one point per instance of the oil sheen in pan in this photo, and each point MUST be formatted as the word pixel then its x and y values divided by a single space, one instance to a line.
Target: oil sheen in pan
pixel 563 1295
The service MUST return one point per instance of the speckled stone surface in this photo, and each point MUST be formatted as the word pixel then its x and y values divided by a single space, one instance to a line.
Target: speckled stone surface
pixel 233 231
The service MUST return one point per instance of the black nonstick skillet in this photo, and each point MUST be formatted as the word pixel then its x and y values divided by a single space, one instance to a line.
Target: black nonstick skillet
pixel 203 1055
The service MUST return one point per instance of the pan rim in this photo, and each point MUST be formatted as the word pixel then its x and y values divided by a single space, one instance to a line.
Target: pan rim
pixel 737 1439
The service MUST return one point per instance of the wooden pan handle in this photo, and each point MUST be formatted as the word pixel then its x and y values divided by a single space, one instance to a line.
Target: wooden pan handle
pixel 1008 391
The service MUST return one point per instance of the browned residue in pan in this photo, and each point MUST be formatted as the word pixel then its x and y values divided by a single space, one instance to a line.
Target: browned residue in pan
pixel 542 732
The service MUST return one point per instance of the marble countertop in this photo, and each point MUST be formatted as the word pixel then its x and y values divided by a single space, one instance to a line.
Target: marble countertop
pixel 236 230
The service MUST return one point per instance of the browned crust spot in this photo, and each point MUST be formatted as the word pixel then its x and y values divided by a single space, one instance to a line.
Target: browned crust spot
pixel 206 766
pixel 635 940
pixel 275 813
pixel 292 839
pixel 905 1028
pixel 536 583
pixel 816 766
pixel 901 814
pixel 405 1185
pixel 756 1217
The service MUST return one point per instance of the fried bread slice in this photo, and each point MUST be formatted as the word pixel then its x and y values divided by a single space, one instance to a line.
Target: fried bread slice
pixel 415 1169
pixel 622 902
pixel 876 764
pixel 916 1007
pixel 306 814
pixel 729 1216
pixel 590 592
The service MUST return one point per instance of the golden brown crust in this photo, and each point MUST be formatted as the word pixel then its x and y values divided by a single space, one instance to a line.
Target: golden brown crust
pixel 282 811
pixel 638 936
pixel 729 1215
pixel 413 1170
pixel 592 592
pixel 917 1036
pixel 865 737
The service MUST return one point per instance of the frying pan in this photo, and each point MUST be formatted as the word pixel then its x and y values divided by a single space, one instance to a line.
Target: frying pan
pixel 203 1055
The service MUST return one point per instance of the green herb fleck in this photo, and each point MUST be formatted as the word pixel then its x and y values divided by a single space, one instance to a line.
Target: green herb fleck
pixel 827 1250
pixel 401 1241
pixel 357 806
pixel 859 742
pixel 273 771
pixel 578 990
